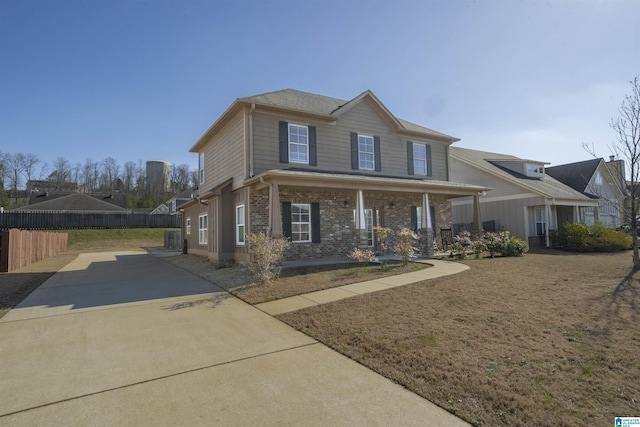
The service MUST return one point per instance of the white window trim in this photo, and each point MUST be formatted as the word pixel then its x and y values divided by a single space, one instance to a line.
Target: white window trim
pixel 240 237
pixel 201 168
pixel 188 226
pixel 417 159
pixel 203 233
pixel 297 143
pixel 373 153
pixel 308 206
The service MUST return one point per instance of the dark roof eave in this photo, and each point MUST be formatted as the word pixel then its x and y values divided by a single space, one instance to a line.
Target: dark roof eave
pixel 320 179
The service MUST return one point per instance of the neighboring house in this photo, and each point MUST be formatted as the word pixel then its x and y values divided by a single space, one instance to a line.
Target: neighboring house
pixel 117 199
pixel 525 200
pixel 51 186
pixel 320 171
pixel 162 209
pixel 175 203
pixel 596 180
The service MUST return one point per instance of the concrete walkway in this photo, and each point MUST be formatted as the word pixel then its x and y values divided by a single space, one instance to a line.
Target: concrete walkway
pixel 438 269
pixel 126 339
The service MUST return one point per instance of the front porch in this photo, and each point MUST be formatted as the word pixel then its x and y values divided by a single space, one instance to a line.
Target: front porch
pixel 341 211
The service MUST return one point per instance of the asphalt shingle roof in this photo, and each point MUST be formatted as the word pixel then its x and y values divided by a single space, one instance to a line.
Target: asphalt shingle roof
pixel 73 202
pixel 575 175
pixel 548 186
pixel 318 104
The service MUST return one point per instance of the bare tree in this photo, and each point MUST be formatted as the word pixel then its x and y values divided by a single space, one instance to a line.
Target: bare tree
pixel 111 170
pixel 180 177
pixel 30 162
pixel 14 164
pixel 627 129
pixel 61 172
pixel 87 179
pixel 3 170
pixel 128 175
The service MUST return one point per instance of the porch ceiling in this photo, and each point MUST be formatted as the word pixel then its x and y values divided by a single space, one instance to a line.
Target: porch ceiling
pixel 362 182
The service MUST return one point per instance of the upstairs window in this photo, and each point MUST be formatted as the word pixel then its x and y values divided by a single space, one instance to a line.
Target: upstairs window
pixel 366 152
pixel 201 168
pixel 535 170
pixel 420 159
pixel 298 144
pixel 598 178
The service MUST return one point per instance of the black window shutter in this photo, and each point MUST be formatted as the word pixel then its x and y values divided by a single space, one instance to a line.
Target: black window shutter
pixel 315 222
pixel 414 219
pixel 354 151
pixel 428 151
pixel 376 150
pixel 286 219
pixel 410 157
pixel 284 142
pixel 313 156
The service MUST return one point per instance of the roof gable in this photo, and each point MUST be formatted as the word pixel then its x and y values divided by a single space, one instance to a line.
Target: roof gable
pixel 547 187
pixel 318 106
pixel 576 175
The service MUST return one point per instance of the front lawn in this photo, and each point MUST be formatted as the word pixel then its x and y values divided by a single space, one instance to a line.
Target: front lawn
pixel 548 339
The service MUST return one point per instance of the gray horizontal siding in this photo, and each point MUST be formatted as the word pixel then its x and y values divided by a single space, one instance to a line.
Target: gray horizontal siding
pixel 333 143
pixel 224 155
pixel 461 172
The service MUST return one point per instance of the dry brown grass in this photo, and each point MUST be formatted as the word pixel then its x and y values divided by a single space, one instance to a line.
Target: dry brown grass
pixel 292 281
pixel 548 339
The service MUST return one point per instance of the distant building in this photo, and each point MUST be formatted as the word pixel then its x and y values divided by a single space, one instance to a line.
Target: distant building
pixel 51 186
pixel 158 176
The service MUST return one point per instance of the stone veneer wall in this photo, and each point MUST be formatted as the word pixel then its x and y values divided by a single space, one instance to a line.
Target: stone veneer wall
pixel 337 235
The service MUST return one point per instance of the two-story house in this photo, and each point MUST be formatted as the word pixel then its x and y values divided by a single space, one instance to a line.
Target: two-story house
pixel 320 171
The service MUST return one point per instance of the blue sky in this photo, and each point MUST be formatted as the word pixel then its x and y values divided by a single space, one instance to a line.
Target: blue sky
pixel 142 80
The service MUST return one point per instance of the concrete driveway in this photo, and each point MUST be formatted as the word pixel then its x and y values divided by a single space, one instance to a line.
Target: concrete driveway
pixel 126 339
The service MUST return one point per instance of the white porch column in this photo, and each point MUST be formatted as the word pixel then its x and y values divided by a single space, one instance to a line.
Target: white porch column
pixel 425 221
pixel 547 214
pixel 275 213
pixel 360 220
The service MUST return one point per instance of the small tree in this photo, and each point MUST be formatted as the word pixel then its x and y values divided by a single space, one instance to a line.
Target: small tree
pixel 627 129
pixel 404 246
pixel 267 254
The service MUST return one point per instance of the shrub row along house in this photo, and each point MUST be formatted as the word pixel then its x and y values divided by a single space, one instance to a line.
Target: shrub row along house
pixel 324 172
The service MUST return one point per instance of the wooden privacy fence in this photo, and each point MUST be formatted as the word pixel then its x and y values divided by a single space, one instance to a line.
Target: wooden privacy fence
pixel 19 248
pixel 79 220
